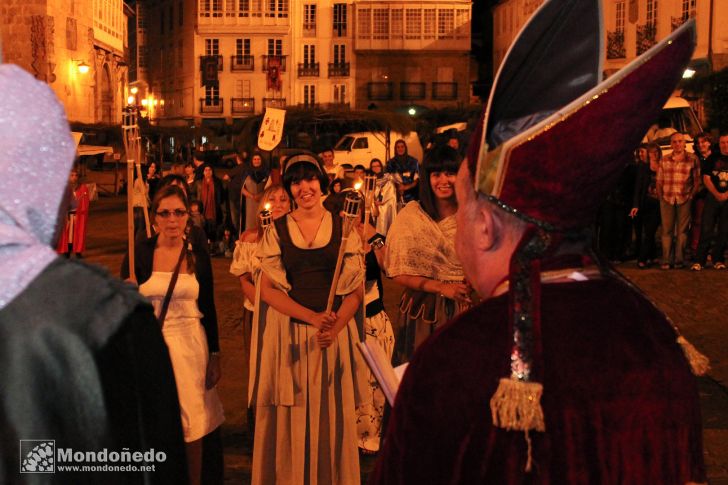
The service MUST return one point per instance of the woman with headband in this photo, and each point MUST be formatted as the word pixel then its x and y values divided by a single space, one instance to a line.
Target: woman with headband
pixel 305 387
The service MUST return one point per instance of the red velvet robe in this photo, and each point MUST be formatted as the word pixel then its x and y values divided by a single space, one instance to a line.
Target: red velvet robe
pixel 79 227
pixel 620 402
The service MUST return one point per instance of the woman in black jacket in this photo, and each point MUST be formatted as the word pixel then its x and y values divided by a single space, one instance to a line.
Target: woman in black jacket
pixel 646 203
pixel 189 321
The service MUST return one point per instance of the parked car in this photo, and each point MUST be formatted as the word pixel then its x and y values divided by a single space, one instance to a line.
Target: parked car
pixel 676 115
pixel 360 148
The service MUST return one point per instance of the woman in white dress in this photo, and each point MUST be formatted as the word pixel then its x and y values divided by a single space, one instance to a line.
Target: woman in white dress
pixel 190 324
pixel 306 384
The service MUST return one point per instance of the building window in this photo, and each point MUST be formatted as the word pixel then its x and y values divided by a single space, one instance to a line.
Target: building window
pixel 445 23
pixel 212 96
pixel 230 8
pixel 309 95
pixel 462 17
pixel 275 47
pixel 619 17
pixel 242 47
pixel 340 93
pixel 339 20
pixel 429 23
pixel 652 13
pixel 243 8
pixel 142 53
pixel 339 54
pixel 309 20
pixel 181 13
pixel 212 47
pixel 309 55
pixel 205 8
pixel 688 9
pixel 364 19
pixel 413 23
pixel 282 8
pixel 381 23
pixel 397 21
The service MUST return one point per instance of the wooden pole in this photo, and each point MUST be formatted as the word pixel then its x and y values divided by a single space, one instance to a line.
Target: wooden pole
pixel 145 207
pixel 351 213
pixel 129 131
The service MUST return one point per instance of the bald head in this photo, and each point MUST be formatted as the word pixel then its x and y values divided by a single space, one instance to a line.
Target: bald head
pixel 486 237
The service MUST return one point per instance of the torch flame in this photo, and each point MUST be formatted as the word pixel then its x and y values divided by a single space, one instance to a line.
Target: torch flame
pixel 267 206
pixel 357 185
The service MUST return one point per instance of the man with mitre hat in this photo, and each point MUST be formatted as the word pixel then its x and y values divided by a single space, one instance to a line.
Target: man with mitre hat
pixel 565 373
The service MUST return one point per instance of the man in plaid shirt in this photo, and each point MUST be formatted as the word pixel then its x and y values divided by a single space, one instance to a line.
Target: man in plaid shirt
pixel 678 181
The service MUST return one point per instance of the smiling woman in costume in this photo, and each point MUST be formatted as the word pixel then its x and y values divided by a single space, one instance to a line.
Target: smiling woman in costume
pixel 420 255
pixel 305 387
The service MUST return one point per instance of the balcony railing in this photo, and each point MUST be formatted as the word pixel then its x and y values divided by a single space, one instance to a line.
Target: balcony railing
pixel 283 63
pixel 615 45
pixel 309 29
pixel 340 69
pixel 242 63
pixel 310 69
pixel 646 34
pixel 676 22
pixel 444 91
pixel 411 91
pixel 339 29
pixel 274 103
pixel 380 91
pixel 211 105
pixel 242 105
pixel 219 62
pixel 311 106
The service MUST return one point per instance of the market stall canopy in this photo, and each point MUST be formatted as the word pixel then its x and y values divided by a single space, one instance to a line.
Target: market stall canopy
pixel 89 149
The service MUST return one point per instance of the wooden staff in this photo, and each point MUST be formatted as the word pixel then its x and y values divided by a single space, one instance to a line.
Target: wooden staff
pixel 351 214
pixel 145 207
pixel 129 130
pixel 370 182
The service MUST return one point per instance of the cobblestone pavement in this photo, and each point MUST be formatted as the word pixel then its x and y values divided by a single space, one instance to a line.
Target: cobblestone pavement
pixel 694 301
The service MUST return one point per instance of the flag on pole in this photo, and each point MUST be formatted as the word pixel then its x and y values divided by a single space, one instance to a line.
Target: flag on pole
pixel 271 130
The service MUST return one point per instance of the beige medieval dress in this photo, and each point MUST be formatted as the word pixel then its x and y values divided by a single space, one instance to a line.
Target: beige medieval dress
pixel 305 397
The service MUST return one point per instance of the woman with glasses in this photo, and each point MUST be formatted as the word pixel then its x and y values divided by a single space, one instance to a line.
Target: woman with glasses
pixel 189 324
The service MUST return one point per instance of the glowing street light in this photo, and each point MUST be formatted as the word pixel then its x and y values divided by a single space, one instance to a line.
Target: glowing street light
pixel 688 73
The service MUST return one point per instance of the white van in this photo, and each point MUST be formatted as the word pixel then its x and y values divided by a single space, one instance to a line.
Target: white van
pixel 360 148
pixel 676 115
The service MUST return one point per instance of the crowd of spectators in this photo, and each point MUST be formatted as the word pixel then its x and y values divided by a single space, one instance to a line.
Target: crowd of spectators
pixel 682 192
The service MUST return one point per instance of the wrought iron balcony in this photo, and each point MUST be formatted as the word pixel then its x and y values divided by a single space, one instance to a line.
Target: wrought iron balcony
pixel 283 62
pixel 309 29
pixel 676 22
pixel 242 105
pixel 615 45
pixel 444 91
pixel 274 103
pixel 410 91
pixel 646 37
pixel 211 105
pixel 310 69
pixel 340 69
pixel 242 63
pixel 380 91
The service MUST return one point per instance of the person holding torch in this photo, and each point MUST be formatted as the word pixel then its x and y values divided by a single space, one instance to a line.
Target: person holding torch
pixel 306 385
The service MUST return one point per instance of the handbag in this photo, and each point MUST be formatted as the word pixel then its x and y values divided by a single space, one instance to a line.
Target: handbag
pixel 170 289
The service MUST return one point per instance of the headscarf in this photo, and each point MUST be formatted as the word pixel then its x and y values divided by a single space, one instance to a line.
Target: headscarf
pixel 35 144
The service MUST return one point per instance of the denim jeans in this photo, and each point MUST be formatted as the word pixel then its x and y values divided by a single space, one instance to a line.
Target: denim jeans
pixel 714 212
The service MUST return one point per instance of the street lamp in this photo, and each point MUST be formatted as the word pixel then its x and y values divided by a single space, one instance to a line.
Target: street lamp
pixel 83 68
pixel 688 73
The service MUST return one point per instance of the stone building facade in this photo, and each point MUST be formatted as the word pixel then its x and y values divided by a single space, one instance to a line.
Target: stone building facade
pixel 411 54
pixel 631 27
pixel 56 40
